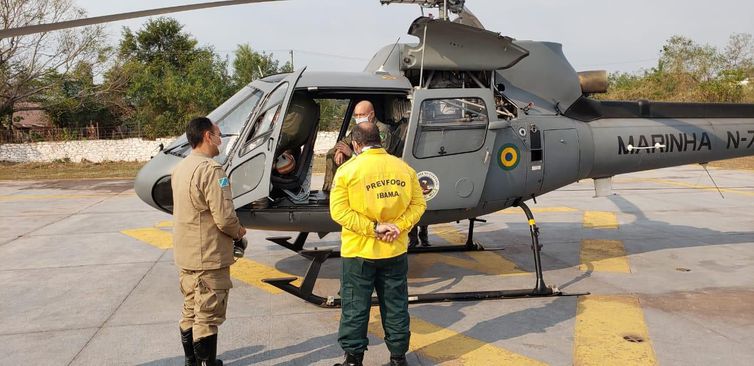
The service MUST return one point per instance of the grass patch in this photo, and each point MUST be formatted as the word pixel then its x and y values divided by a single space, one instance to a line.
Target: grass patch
pixel 69 170
pixel 746 163
pixel 128 170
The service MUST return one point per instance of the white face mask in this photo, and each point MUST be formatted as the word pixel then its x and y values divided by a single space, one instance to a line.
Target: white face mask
pixel 362 119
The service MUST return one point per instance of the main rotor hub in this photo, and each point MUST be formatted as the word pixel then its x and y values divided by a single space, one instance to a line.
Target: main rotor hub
pixel 445 6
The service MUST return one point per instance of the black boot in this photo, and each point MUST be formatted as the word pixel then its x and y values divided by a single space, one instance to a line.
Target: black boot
pixel 205 350
pixel 413 238
pixel 398 360
pixel 424 235
pixel 188 346
pixel 352 360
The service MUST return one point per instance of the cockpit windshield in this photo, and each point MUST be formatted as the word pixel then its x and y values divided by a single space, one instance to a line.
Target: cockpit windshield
pixel 231 117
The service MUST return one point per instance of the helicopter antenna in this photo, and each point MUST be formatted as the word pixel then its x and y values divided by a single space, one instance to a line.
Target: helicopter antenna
pixel 704 165
pixel 381 70
pixel 424 48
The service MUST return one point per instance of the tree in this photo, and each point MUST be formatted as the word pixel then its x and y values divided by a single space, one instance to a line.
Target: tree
pixel 687 71
pixel 32 64
pixel 169 79
pixel 250 65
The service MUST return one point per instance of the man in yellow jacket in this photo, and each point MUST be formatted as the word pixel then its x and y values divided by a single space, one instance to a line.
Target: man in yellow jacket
pixel 377 199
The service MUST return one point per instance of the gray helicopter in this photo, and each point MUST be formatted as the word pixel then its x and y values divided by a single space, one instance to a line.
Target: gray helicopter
pixel 490 122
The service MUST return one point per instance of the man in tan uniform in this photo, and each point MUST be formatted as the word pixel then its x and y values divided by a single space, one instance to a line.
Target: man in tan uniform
pixel 205 227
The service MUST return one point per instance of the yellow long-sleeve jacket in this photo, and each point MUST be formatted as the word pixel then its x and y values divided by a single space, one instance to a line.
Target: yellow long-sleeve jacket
pixel 375 187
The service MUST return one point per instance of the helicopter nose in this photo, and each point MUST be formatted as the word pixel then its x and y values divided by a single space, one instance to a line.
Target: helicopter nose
pixel 152 184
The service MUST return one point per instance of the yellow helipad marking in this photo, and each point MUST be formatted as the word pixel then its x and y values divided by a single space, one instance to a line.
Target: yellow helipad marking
pixel 25 197
pixel 482 262
pixel 602 322
pixel 519 211
pixel 244 270
pixel 604 256
pixel 689 185
pixel 152 236
pixel 252 273
pixel 444 345
pixel 449 233
pixel 600 220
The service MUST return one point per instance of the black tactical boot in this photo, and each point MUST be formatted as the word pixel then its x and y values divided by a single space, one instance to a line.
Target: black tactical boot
pixel 205 350
pixel 398 360
pixel 352 360
pixel 424 235
pixel 413 238
pixel 188 346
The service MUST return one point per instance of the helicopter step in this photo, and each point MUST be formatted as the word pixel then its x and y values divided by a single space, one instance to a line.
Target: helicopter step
pixel 305 291
pixel 471 245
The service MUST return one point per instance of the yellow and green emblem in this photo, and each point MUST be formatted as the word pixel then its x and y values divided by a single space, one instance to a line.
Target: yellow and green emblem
pixel 508 157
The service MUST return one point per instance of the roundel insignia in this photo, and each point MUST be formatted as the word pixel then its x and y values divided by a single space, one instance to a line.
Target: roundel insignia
pixel 508 157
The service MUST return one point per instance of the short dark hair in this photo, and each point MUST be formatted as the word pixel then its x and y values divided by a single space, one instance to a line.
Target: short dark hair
pixel 195 130
pixel 366 134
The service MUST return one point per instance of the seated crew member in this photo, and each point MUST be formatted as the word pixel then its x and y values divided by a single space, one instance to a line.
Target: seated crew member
pixel 362 113
pixel 297 125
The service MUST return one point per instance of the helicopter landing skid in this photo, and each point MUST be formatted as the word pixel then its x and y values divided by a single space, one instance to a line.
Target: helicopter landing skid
pixel 305 291
pixel 471 245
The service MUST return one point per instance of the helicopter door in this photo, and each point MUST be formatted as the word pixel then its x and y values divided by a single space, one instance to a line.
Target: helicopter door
pixel 251 164
pixel 448 147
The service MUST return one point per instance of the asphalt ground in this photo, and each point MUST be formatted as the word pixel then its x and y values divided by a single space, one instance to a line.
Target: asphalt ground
pixel 87 278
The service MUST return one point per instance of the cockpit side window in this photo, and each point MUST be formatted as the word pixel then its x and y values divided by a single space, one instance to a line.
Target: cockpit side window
pixel 450 126
pixel 266 119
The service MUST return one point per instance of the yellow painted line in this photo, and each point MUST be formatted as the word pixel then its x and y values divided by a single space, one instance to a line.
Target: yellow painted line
pixel 152 236
pixel 518 210
pixel 445 345
pixel 483 262
pixel 27 197
pixel 600 220
pixel 602 322
pixel 689 185
pixel 168 223
pixel 604 256
pixel 252 273
pixel 449 233
pixel 244 270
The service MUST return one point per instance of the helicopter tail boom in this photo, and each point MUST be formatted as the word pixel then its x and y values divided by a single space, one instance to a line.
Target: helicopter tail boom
pixel 630 145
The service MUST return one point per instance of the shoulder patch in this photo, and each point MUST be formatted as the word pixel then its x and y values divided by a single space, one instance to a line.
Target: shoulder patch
pixel 223 182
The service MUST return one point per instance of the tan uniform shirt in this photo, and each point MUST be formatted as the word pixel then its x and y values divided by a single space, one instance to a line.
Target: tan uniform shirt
pixel 205 220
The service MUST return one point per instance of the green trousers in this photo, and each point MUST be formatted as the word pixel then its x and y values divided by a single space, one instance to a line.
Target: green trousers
pixel 358 279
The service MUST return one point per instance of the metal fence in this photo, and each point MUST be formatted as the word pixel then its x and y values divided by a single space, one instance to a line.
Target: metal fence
pixel 17 136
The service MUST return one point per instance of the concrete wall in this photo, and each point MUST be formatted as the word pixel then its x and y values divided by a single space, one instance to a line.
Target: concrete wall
pixel 91 150
pixel 108 150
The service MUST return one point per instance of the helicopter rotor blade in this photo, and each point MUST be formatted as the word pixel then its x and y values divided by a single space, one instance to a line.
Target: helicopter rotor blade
pixel 40 28
pixel 466 17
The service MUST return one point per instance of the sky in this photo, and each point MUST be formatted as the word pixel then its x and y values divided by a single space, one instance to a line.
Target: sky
pixel 342 35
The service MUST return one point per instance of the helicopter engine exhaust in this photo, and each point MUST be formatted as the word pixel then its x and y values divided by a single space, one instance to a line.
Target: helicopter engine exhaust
pixel 593 81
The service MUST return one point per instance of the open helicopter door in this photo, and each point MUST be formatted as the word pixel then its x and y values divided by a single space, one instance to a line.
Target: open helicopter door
pixel 447 145
pixel 251 164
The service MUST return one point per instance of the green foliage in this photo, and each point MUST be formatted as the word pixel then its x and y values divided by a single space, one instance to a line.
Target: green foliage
pixel 690 72
pixel 169 79
pixel 331 113
pixel 250 65
pixel 72 100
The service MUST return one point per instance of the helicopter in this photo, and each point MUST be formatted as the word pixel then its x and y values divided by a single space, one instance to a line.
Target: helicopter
pixel 490 123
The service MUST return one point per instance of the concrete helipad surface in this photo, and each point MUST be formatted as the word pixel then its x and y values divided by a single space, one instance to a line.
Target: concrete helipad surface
pixel 87 278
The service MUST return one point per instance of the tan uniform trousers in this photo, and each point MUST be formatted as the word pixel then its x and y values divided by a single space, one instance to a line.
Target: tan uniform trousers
pixel 205 299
